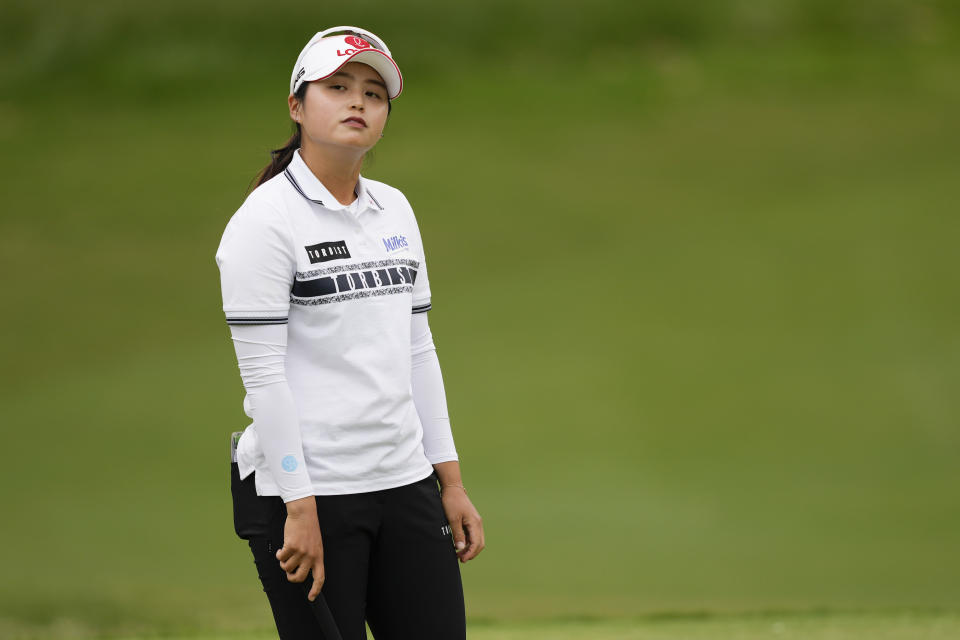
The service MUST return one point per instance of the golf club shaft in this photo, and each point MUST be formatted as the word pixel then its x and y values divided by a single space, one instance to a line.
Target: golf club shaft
pixel 322 612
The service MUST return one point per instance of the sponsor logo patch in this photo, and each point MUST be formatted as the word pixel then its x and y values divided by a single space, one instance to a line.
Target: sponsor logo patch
pixel 327 251
pixel 358 43
pixel 356 46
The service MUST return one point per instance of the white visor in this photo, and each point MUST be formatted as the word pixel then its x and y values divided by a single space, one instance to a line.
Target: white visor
pixel 323 56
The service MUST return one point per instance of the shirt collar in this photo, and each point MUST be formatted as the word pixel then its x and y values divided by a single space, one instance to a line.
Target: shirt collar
pixel 307 185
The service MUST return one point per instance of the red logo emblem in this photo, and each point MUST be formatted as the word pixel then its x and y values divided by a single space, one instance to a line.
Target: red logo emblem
pixel 357 43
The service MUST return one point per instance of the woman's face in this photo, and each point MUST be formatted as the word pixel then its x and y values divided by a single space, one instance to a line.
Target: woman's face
pixel 348 108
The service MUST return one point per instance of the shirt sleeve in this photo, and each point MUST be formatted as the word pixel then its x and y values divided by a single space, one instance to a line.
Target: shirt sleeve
pixel 257 266
pixel 261 353
pixel 429 396
pixel 421 283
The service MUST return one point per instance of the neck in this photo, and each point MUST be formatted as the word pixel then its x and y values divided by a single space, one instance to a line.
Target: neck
pixel 337 168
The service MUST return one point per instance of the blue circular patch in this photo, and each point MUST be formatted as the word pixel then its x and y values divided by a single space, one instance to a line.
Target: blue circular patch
pixel 289 463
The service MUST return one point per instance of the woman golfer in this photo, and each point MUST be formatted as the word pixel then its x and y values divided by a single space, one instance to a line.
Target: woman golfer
pixel 326 293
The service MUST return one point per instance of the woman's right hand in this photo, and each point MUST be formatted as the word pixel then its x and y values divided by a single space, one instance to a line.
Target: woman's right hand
pixel 302 545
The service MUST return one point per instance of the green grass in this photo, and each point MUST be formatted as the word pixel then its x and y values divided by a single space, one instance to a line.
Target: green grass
pixel 757 626
pixel 696 306
pixel 784 626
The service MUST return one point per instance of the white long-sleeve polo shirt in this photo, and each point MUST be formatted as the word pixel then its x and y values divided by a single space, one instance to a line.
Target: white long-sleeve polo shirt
pixel 344 280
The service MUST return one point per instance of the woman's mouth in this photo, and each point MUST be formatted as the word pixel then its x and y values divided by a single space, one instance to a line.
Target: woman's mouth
pixel 356 122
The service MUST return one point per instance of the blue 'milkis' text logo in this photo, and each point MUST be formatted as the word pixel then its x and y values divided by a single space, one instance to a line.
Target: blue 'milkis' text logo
pixel 395 243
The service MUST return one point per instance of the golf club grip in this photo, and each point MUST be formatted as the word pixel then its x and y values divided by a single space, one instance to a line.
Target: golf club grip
pixel 322 612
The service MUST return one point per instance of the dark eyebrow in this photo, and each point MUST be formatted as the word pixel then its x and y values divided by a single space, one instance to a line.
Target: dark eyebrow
pixel 371 80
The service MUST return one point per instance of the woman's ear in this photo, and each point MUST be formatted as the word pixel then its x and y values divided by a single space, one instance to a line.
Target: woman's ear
pixel 294 106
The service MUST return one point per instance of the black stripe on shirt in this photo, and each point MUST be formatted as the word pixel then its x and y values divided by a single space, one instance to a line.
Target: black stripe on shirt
pixel 422 308
pixel 380 206
pixel 313 288
pixel 257 320
pixel 338 285
pixel 296 186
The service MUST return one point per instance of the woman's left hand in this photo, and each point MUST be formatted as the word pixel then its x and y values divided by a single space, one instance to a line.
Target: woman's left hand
pixel 465 522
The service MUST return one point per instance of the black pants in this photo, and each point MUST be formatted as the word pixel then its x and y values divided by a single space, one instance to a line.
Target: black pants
pixel 388 559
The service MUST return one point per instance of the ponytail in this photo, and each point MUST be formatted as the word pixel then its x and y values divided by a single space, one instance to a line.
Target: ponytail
pixel 279 158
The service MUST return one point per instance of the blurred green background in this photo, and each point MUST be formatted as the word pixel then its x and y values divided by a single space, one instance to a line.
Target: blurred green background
pixel 695 281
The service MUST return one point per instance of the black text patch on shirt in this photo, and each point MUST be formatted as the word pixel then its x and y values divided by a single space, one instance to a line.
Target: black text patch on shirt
pixel 327 251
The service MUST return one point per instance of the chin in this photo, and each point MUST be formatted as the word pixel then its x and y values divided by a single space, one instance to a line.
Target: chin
pixel 358 142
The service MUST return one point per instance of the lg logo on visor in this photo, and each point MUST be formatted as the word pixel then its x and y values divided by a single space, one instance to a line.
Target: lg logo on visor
pixel 358 43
